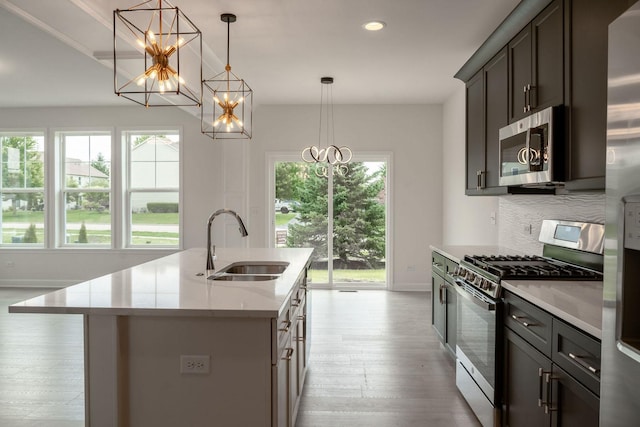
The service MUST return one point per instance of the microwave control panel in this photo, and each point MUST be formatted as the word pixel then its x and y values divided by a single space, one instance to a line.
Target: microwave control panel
pixel 632 225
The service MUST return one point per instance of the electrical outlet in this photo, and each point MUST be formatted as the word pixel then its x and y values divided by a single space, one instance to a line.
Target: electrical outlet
pixel 196 364
pixel 527 229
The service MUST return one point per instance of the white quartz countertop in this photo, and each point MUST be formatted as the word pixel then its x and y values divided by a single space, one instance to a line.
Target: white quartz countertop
pixel 171 286
pixel 578 303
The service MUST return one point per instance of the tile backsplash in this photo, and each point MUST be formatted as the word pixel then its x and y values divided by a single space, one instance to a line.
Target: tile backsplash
pixel 519 212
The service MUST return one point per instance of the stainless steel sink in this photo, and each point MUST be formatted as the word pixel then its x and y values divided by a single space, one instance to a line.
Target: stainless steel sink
pixel 251 271
pixel 256 268
pixel 242 277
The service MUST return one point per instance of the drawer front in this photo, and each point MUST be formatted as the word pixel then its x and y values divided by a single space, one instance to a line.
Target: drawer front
pixel 450 267
pixel 578 354
pixel 528 321
pixel 437 263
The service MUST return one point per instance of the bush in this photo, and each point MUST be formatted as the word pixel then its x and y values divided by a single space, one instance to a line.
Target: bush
pixel 82 235
pixel 162 207
pixel 30 235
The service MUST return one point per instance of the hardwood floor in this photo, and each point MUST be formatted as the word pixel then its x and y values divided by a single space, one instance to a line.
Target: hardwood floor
pixel 375 361
pixel 41 366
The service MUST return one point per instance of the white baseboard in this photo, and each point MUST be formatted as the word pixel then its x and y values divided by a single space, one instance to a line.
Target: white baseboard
pixel 38 283
pixel 400 287
pixel 411 287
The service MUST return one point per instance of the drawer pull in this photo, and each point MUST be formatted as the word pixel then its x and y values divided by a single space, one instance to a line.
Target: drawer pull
pixel 287 325
pixel 579 361
pixel 289 354
pixel 525 324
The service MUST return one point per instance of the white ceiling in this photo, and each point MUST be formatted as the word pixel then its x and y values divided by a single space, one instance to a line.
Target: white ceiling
pixel 280 47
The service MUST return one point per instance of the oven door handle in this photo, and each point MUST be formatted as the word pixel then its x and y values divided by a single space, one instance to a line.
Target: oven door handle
pixel 464 294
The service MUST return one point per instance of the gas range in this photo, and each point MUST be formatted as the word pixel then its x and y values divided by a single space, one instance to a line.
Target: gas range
pixel 572 251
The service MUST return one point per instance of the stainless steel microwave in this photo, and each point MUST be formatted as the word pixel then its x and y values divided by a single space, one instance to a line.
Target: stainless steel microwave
pixel 528 152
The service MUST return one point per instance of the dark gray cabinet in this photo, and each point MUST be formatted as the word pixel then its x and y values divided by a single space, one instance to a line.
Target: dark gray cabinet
pixel 443 300
pixel 487 112
pixel 551 370
pixel 586 95
pixel 556 54
pixel 536 64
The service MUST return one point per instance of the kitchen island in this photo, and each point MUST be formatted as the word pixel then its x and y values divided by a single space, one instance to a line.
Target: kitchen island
pixel 166 346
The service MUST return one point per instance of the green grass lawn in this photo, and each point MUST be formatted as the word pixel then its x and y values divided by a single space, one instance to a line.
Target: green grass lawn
pixel 282 219
pixel 350 276
pixel 90 217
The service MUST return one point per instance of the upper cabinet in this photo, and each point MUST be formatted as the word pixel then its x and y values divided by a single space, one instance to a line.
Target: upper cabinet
pixel 486 114
pixel 587 94
pixel 545 53
pixel 536 64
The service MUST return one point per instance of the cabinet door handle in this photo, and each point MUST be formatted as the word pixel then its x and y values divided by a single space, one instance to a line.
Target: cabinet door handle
pixel 542 403
pixel 480 182
pixel 548 406
pixel 525 324
pixel 524 109
pixel 585 365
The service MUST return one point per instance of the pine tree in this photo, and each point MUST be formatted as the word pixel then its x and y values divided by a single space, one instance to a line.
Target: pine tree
pixel 82 235
pixel 30 235
pixel 358 217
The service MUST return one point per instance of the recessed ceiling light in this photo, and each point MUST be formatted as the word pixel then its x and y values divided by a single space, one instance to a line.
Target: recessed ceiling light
pixel 374 25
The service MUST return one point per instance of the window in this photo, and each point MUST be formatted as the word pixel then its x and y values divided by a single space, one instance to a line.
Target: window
pixel 22 189
pixel 86 188
pixel 153 188
pixel 90 189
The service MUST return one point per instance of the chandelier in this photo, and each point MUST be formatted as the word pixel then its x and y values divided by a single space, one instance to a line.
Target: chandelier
pixel 228 101
pixel 166 41
pixel 331 158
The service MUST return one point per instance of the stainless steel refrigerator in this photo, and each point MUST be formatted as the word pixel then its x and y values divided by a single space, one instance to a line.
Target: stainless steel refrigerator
pixel 620 370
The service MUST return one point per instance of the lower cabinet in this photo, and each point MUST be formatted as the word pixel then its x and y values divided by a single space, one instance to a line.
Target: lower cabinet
pixel 538 391
pixel 289 368
pixel 443 300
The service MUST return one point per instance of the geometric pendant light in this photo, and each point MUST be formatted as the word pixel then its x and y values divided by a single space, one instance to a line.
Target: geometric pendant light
pixel 227 101
pixel 157 55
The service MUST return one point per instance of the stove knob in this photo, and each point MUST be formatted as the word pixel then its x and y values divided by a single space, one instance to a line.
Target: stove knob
pixel 484 283
pixel 471 277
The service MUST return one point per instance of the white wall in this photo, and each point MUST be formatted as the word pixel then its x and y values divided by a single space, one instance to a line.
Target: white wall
pixel 465 219
pixel 413 134
pixel 202 176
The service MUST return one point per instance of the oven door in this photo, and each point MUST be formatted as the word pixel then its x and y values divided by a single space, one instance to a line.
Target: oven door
pixel 476 346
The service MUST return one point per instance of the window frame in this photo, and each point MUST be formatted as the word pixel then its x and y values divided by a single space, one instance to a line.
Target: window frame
pixel 61 186
pixel 127 190
pixel 54 189
pixel 24 132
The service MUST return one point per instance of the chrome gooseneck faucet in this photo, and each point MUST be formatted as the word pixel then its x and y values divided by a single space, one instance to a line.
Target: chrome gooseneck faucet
pixel 211 249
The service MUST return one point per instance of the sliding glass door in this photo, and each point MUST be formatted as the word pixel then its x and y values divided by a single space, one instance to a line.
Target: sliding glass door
pixel 342 216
